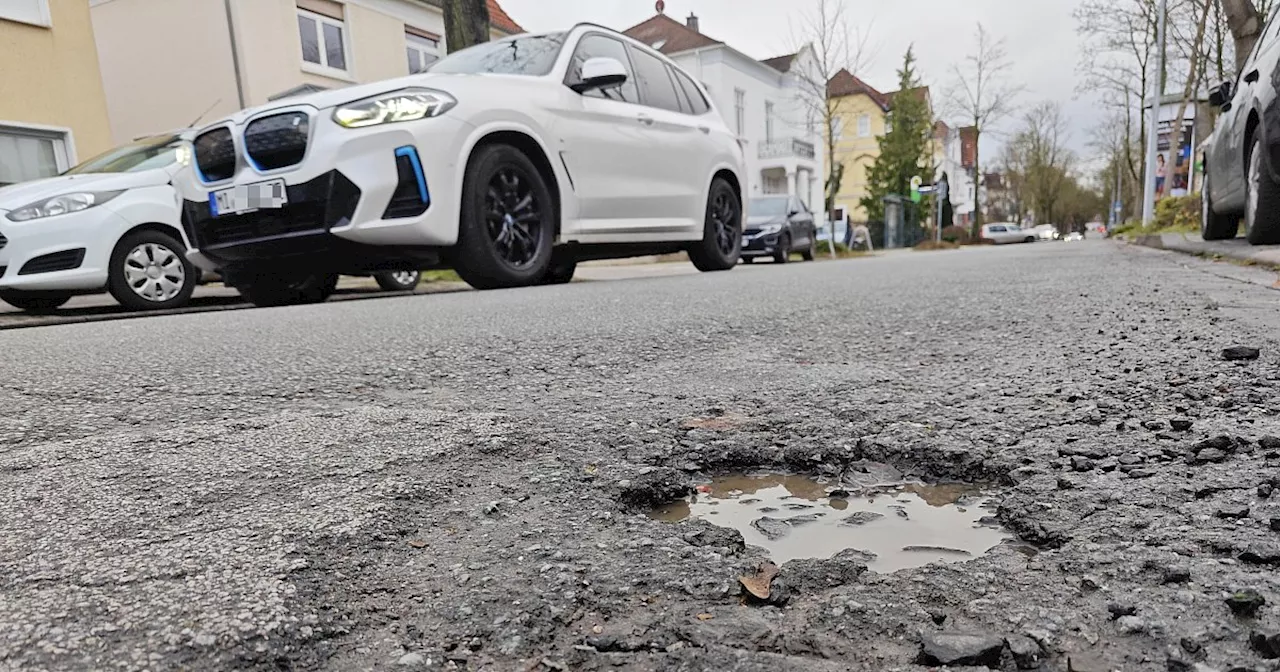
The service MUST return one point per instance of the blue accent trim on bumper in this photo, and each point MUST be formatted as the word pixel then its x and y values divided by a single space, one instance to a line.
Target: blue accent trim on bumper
pixel 412 153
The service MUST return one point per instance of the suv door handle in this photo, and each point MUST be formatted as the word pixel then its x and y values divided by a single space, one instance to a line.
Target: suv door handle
pixel 646 119
pixel 1251 76
pixel 705 129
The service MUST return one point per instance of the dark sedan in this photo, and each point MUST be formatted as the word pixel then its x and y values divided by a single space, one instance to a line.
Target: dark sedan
pixel 776 227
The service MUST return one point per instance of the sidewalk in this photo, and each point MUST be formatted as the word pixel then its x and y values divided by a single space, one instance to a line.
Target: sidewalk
pixel 1190 243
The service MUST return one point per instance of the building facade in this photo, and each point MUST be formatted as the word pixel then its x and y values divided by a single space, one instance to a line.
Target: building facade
pixel 762 102
pixel 951 158
pixel 159 75
pixel 52 109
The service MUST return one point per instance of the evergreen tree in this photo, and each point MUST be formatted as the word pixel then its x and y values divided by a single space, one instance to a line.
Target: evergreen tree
pixel 905 149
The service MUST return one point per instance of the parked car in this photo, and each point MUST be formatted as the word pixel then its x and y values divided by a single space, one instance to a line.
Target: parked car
pixel 109 224
pixel 776 227
pixel 1004 232
pixel 1241 170
pixel 510 161
pixel 1074 236
pixel 1047 232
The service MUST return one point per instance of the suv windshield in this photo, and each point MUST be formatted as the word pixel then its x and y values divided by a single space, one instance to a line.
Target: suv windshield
pixel 135 157
pixel 768 207
pixel 532 55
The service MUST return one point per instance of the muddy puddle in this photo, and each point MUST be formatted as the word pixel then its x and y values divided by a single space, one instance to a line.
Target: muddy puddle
pixel 898 526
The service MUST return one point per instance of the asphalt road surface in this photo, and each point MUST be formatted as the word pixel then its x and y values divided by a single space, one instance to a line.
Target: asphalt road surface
pixel 459 481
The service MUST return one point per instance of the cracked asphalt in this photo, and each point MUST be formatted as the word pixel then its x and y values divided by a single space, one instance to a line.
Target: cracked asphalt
pixel 458 481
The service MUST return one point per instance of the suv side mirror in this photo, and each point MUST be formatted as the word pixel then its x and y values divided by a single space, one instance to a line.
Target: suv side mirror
pixel 1220 95
pixel 600 73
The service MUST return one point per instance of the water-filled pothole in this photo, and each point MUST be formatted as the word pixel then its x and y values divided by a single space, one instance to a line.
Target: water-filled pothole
pixel 898 526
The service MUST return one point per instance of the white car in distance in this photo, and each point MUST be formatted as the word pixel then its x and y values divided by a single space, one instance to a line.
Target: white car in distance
pixel 510 161
pixel 108 224
pixel 1002 233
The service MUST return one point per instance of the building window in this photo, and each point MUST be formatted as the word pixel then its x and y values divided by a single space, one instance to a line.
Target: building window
pixel 324 36
pixel 35 12
pixel 837 128
pixel 768 122
pixel 864 125
pixel 740 110
pixel 423 49
pixel 888 124
pixel 27 154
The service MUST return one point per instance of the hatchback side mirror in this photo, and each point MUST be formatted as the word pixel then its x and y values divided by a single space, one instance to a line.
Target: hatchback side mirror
pixel 601 73
pixel 1220 95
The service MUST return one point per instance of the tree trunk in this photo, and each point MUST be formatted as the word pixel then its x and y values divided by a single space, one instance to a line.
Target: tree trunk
pixel 977 182
pixel 1245 23
pixel 466 23
pixel 1193 84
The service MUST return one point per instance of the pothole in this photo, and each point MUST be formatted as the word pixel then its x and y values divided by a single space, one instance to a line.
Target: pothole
pixel 897 526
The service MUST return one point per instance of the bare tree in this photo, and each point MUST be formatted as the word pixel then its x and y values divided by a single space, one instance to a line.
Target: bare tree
pixel 1118 38
pixel 466 23
pixel 1047 160
pixel 835 47
pixel 982 94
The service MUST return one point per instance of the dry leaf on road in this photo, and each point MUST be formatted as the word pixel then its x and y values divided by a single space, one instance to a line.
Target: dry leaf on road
pixel 759 585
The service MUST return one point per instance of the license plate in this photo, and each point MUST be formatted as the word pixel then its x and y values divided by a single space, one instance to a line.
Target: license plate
pixel 246 197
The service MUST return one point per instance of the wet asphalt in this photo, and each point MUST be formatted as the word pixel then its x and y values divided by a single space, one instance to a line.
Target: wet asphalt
pixel 454 481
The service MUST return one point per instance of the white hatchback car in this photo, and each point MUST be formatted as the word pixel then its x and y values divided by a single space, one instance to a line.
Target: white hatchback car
pixel 1002 233
pixel 510 161
pixel 110 223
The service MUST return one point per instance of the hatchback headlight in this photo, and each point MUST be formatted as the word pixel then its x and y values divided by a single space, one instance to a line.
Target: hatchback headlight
pixel 770 229
pixel 403 105
pixel 62 205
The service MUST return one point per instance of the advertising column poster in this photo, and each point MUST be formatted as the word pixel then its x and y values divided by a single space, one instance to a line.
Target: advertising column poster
pixel 1174 159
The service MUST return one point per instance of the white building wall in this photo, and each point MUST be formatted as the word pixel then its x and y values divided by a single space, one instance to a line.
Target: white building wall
pixel 725 72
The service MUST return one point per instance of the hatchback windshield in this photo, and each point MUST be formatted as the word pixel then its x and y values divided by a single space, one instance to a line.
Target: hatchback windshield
pixel 134 157
pixel 768 207
pixel 532 55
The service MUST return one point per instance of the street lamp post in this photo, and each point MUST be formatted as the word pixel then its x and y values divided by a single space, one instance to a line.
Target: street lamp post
pixel 1153 119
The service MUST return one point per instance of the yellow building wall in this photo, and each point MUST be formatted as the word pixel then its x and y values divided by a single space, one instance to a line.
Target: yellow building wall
pixel 50 77
pixel 857 153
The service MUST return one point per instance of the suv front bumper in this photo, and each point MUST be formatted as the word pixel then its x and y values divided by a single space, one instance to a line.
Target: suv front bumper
pixel 342 199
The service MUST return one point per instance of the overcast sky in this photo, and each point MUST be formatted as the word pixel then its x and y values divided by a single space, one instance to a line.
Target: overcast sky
pixel 1040 38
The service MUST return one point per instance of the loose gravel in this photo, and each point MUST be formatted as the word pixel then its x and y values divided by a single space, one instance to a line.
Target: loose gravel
pixel 462 481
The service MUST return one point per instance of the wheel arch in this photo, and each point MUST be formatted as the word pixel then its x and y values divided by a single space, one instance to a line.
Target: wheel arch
pixel 1251 126
pixel 527 142
pixel 167 229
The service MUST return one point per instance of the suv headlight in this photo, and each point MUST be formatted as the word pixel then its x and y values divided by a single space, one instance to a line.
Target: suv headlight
pixel 403 105
pixel 62 205
pixel 770 229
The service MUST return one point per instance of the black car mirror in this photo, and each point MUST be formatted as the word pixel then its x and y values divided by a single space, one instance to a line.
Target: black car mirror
pixel 1220 95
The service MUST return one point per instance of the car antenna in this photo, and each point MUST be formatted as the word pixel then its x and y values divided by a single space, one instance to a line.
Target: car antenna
pixel 202 114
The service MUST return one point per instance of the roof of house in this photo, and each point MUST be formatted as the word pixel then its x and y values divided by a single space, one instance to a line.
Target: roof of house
pixel 498 18
pixel 845 83
pixel 668 35
pixel 781 63
pixel 921 92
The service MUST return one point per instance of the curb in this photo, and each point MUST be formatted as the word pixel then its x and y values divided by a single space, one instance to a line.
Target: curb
pixel 1237 249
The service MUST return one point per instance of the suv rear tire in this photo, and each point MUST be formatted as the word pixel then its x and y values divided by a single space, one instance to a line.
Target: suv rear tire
pixel 398 281
pixel 1214 226
pixel 270 290
pixel 508 221
pixel 721 243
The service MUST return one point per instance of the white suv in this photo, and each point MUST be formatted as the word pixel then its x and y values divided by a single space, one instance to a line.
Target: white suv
pixel 510 161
